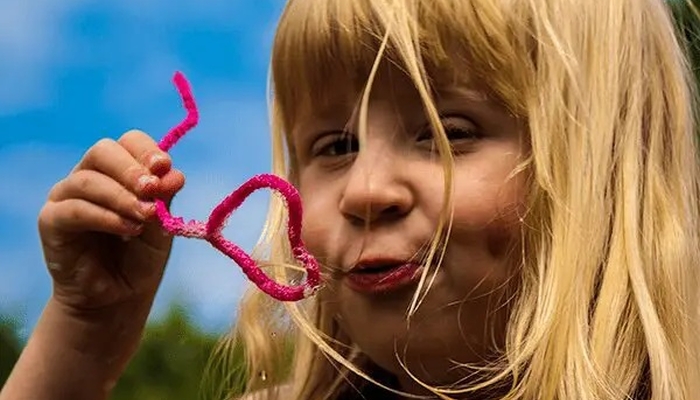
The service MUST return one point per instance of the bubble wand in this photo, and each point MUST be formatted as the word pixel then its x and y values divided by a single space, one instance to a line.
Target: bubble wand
pixel 211 230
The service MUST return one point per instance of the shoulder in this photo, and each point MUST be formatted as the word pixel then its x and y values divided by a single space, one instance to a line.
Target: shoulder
pixel 280 392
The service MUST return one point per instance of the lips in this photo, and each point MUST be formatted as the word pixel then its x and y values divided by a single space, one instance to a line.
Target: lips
pixel 382 275
pixel 376 265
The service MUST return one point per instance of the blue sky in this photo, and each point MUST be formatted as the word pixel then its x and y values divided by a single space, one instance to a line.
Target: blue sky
pixel 74 71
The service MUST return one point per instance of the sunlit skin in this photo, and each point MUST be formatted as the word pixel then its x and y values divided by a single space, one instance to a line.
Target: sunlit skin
pixel 394 184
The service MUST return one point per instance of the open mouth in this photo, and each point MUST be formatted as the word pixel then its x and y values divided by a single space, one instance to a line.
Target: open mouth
pixel 376 269
pixel 383 277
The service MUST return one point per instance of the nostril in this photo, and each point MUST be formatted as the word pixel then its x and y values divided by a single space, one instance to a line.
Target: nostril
pixel 393 210
pixel 385 202
pixel 375 215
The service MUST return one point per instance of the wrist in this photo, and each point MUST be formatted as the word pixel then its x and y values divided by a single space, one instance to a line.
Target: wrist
pixel 109 335
pixel 75 354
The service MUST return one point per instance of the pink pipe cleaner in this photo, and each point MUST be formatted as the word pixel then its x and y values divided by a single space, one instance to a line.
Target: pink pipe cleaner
pixel 211 230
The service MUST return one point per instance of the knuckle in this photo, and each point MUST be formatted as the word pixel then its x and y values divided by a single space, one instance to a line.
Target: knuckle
pixel 81 180
pixel 56 189
pixel 132 135
pixel 125 199
pixel 73 212
pixel 104 217
pixel 104 143
pixel 127 174
pixel 134 172
pixel 100 147
pixel 45 219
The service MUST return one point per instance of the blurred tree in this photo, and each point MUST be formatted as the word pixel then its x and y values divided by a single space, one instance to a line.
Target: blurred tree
pixel 686 14
pixel 174 361
pixel 10 346
pixel 174 355
pixel 170 362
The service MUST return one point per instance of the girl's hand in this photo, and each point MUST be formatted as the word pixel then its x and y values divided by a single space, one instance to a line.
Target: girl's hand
pixel 102 243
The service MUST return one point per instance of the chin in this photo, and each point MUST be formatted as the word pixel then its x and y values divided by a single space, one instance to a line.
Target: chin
pixel 428 359
pixel 432 344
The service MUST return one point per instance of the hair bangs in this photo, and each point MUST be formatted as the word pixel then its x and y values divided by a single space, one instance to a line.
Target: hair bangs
pixel 318 44
pixel 321 43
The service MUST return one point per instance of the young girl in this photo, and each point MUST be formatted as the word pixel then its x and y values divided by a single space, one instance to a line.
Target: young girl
pixel 503 195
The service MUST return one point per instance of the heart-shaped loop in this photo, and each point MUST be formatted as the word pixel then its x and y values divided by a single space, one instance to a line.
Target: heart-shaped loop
pixel 211 231
pixel 221 213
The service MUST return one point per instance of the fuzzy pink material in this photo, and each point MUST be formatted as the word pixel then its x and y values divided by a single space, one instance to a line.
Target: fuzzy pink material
pixel 211 230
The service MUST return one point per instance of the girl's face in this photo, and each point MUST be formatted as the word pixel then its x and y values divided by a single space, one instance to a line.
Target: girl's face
pixel 379 207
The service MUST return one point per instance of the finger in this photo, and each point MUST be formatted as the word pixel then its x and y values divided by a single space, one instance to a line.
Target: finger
pixel 78 215
pixel 146 151
pixel 113 160
pixel 99 189
pixel 170 183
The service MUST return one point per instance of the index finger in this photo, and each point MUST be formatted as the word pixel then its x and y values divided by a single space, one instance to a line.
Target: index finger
pixel 144 149
pixel 112 159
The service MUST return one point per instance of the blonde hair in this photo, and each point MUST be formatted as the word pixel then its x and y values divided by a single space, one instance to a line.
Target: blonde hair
pixel 607 301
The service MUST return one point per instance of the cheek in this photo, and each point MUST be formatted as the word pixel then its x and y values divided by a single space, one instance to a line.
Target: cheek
pixel 485 194
pixel 319 219
pixel 312 231
pixel 486 233
pixel 313 234
pixel 491 211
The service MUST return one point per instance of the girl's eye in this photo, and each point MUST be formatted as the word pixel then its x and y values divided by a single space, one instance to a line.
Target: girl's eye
pixel 458 129
pixel 335 145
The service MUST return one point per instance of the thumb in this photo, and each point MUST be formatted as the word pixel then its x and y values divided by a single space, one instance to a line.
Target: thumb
pixel 153 233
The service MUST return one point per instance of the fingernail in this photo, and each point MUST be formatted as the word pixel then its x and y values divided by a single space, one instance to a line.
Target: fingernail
pixel 156 158
pixel 145 180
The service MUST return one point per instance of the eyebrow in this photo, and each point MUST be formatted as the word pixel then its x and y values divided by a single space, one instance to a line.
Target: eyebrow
pixel 444 94
pixel 465 93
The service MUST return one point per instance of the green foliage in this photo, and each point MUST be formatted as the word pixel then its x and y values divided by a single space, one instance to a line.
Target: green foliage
pixel 170 362
pixel 10 347
pixel 174 362
pixel 687 16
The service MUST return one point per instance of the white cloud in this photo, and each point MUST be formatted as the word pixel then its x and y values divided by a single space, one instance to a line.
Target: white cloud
pixel 29 171
pixel 216 157
pixel 232 136
pixel 210 157
pixel 217 12
pixel 35 41
pixel 31 41
pixel 197 274
pixel 137 92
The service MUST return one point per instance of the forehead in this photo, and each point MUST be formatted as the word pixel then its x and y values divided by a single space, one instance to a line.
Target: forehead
pixel 339 97
pixel 323 47
pixel 394 100
pixel 324 50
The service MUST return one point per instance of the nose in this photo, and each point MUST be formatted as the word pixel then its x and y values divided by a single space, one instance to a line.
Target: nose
pixel 376 190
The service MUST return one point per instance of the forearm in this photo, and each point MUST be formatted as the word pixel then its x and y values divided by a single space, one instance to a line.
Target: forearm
pixel 68 357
